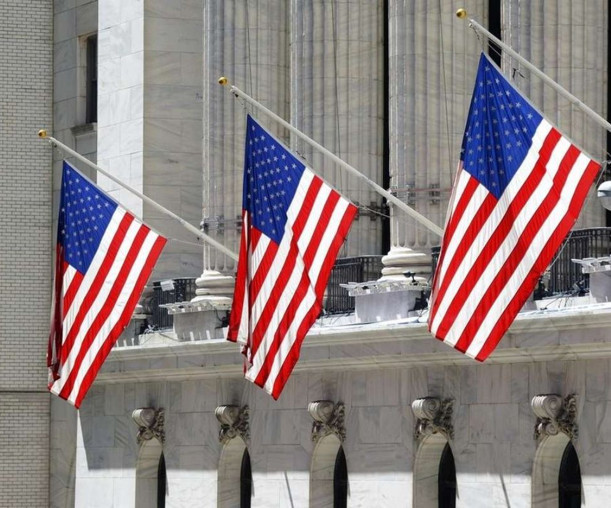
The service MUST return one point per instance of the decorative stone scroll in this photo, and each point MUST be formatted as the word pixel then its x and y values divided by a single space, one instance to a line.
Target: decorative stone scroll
pixel 328 419
pixel 234 422
pixel 150 423
pixel 433 415
pixel 555 414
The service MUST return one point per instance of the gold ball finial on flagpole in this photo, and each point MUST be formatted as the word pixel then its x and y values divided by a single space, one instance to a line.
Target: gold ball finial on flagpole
pixel 461 13
pixel 223 81
pixel 42 133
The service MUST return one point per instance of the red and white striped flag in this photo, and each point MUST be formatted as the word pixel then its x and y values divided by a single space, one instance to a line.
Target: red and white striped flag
pixel 104 258
pixel 519 189
pixel 293 227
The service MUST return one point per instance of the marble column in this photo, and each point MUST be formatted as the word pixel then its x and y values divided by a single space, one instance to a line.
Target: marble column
pixel 432 62
pixel 336 98
pixel 149 117
pixel 246 41
pixel 567 41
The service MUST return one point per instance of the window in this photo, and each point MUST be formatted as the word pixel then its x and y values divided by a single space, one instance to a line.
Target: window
pixel 569 479
pixel 447 479
pixel 91 80
pixel 245 481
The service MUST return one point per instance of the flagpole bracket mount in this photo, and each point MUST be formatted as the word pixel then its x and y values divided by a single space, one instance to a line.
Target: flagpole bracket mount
pixel 42 133
pixel 461 13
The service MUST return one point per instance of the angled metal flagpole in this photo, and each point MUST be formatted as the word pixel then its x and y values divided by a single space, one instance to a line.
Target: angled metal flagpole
pixel 43 134
pixel 462 14
pixel 380 190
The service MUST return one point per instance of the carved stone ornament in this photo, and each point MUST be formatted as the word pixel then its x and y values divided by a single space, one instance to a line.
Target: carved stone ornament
pixel 555 414
pixel 433 415
pixel 150 423
pixel 234 422
pixel 328 419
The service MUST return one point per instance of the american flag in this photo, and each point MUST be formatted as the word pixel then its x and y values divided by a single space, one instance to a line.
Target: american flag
pixel 104 258
pixel 519 189
pixel 293 227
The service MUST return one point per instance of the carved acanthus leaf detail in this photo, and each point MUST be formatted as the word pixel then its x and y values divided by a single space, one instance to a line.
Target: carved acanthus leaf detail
pixel 433 415
pixel 234 422
pixel 328 419
pixel 150 423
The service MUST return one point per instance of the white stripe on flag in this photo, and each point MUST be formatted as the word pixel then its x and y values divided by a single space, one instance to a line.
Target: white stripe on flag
pixel 506 248
pixel 93 270
pixel 117 310
pixel 100 298
pixel 540 239
pixel 458 275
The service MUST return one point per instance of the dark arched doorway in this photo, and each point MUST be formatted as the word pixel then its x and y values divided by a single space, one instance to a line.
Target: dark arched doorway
pixel 245 481
pixel 446 479
pixel 569 479
pixel 340 480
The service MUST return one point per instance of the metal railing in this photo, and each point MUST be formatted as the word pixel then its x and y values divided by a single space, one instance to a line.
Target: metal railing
pixel 345 270
pixel 566 276
pixel 183 290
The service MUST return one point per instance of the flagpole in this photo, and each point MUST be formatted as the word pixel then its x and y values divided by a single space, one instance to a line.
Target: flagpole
pixel 43 134
pixel 462 14
pixel 380 190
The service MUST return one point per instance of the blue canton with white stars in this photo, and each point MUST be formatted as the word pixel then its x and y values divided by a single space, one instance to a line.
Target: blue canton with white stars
pixel 499 130
pixel 271 177
pixel 84 214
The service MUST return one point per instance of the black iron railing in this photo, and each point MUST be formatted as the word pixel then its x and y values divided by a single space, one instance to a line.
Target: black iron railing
pixel 183 290
pixel 566 276
pixel 345 270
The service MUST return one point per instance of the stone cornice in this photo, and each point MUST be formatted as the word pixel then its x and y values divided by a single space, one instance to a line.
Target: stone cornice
pixel 537 336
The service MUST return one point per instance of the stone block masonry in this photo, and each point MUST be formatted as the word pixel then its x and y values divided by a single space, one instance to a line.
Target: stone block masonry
pixel 26 59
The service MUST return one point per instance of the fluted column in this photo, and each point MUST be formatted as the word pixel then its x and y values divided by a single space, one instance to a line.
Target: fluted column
pixel 432 63
pixel 567 41
pixel 247 41
pixel 336 98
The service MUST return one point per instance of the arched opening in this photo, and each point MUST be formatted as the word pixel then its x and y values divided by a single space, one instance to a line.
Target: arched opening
pixel 151 478
pixel 556 478
pixel 446 479
pixel 234 475
pixel 162 482
pixel 329 474
pixel 569 479
pixel 340 480
pixel 245 481
pixel 434 473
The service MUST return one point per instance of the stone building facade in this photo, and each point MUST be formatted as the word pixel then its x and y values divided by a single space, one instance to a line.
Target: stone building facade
pixel 386 86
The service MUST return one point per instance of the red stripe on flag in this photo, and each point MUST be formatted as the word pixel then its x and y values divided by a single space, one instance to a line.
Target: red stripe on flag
pixel 96 285
pixel 495 241
pixel 272 300
pixel 123 321
pixel 272 355
pixel 107 308
pixel 336 245
pixel 542 261
pixel 522 247
pixel 240 286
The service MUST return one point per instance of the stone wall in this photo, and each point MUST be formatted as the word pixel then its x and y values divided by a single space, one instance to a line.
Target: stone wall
pixel 493 445
pixel 26 82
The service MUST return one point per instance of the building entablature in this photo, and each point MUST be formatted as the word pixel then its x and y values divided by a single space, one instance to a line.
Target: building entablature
pixel 573 333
